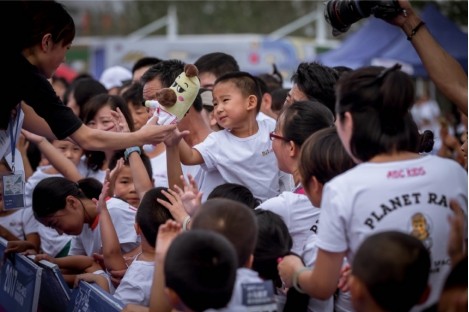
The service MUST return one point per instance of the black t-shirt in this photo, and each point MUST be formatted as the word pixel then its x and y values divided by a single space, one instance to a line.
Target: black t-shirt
pixel 24 82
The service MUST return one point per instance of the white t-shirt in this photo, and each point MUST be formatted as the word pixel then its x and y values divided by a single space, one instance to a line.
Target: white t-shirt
pixel 135 286
pixel 411 196
pixel 20 223
pixel 298 214
pixel 51 241
pixel 247 161
pixel 206 180
pixel 251 293
pixel 122 216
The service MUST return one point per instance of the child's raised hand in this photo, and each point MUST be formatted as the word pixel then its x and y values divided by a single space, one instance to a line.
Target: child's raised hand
pixel 101 201
pixel 191 197
pixel 175 137
pixel 31 137
pixel 112 177
pixel 166 234
pixel 174 205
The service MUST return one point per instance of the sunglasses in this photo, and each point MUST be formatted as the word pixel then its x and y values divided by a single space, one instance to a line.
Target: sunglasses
pixel 273 136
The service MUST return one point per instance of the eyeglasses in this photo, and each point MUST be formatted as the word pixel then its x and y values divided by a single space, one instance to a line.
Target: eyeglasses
pixel 273 136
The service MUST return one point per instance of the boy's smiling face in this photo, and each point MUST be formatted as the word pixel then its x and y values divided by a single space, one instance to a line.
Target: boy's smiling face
pixel 231 107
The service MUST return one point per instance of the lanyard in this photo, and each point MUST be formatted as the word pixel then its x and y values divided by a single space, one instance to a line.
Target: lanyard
pixel 14 137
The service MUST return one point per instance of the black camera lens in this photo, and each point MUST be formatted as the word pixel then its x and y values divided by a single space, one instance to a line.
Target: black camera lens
pixel 342 14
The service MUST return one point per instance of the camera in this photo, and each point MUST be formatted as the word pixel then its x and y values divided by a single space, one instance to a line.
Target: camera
pixel 341 14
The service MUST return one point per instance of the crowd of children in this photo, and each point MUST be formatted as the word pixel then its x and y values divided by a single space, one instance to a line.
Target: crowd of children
pixel 322 201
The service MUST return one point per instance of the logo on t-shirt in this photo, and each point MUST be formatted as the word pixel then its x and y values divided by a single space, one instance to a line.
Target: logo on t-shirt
pixel 421 228
pixel 259 297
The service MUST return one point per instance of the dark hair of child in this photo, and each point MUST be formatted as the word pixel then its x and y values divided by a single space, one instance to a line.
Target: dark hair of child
pixel 50 194
pixel 394 267
pixel 151 214
pixel 273 242
pixel 233 220
pixel 236 192
pixel 245 82
pixel 200 267
pixel 323 156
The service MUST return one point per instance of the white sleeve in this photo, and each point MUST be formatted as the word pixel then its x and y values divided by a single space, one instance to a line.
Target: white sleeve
pixel 123 222
pixel 333 221
pixel 128 291
pixel 30 224
pixel 279 206
pixel 208 149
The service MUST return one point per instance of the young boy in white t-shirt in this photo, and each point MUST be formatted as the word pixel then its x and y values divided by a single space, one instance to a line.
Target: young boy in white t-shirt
pixel 242 152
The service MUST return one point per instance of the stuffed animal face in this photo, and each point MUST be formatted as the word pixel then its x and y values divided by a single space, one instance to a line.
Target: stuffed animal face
pixel 179 97
pixel 186 88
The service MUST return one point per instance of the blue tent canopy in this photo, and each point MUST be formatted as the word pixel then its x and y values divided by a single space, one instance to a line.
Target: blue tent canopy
pixel 377 40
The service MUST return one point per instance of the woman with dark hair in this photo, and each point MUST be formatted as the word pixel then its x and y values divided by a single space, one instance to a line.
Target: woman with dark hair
pixel 43 33
pixel 391 185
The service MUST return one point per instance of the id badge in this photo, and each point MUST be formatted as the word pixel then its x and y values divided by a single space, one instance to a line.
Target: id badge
pixel 13 190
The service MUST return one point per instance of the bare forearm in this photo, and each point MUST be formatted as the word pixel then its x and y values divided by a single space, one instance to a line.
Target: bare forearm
pixel 61 163
pixel 113 259
pixel 188 155
pixel 75 263
pixel 443 69
pixel 142 180
pixel 173 166
pixel 158 300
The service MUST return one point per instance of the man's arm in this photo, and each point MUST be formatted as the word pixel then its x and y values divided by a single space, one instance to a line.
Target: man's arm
pixel 443 69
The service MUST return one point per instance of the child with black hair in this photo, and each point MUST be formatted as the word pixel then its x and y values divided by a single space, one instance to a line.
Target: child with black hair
pixel 200 271
pixel 238 224
pixel 389 273
pixel 322 157
pixel 242 152
pixel 235 192
pixel 273 242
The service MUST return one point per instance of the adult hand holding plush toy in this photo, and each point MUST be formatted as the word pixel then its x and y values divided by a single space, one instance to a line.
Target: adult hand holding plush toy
pixel 174 102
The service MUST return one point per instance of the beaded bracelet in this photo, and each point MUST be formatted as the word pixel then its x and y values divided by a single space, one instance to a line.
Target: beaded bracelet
pixel 414 31
pixel 296 275
pixel 186 221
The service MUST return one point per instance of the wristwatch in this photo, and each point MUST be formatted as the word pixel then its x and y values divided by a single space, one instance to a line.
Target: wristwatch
pixel 130 150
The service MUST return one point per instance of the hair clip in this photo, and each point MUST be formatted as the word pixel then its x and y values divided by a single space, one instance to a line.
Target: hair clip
pixel 386 71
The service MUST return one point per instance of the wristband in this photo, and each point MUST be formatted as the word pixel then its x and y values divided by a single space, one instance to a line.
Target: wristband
pixel 186 221
pixel 130 150
pixel 296 275
pixel 414 31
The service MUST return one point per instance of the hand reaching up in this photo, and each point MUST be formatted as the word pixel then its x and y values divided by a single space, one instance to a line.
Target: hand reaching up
pixel 191 197
pixel 166 234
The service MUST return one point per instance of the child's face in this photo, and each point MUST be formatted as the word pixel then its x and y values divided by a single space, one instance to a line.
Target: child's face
pixel 69 220
pixel 230 105
pixel 124 187
pixel 139 115
pixel 103 120
pixel 69 150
